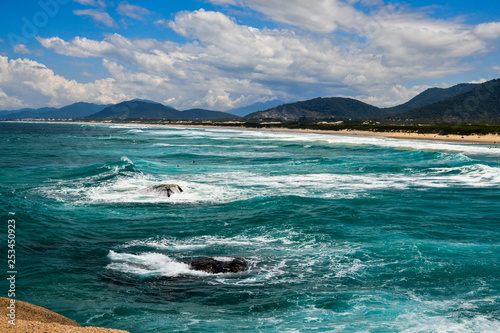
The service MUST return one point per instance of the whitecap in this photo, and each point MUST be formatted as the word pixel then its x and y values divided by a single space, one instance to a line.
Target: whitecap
pixel 149 264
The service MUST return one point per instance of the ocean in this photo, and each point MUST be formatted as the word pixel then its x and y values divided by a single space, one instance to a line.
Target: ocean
pixel 341 233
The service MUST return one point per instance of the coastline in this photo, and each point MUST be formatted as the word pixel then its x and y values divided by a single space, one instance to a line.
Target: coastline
pixel 32 318
pixel 490 138
pixel 493 139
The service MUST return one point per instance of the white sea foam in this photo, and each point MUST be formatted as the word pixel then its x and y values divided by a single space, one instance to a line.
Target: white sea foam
pixel 225 259
pixel 137 189
pixel 203 242
pixel 307 138
pixel 291 251
pixel 425 323
pixel 224 187
pixel 124 183
pixel 135 130
pixel 149 264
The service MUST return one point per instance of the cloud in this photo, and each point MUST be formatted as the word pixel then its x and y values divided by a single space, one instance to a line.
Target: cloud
pixel 478 81
pixel 21 48
pixel 496 68
pixel 79 47
pixel 161 23
pixel 405 38
pixel 97 16
pixel 9 102
pixel 488 30
pixel 318 16
pixel 397 34
pixel 93 3
pixel 223 64
pixel 390 96
pixel 135 12
pixel 226 64
pixel 23 80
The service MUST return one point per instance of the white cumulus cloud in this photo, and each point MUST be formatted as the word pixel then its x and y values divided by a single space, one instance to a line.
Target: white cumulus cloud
pixel 97 15
pixel 133 11
pixel 23 81
pixel 488 30
pixel 223 64
pixel 321 16
pixel 21 48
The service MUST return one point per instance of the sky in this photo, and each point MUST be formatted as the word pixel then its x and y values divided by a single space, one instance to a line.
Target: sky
pixel 224 54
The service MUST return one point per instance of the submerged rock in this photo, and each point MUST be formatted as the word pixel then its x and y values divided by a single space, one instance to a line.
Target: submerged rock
pixel 167 189
pixel 215 265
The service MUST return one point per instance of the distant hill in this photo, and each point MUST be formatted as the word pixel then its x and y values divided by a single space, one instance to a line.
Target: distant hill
pixel 137 109
pixel 321 108
pixel 430 96
pixel 76 110
pixel 19 115
pixel 24 113
pixel 348 108
pixel 479 105
pixel 243 111
pixel 193 114
pixel 40 110
pixel 151 110
pixel 472 103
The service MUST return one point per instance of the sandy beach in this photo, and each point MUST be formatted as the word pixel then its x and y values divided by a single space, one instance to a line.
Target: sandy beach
pixel 36 319
pixel 490 138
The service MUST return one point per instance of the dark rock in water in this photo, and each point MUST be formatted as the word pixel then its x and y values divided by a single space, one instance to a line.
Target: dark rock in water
pixel 214 266
pixel 168 189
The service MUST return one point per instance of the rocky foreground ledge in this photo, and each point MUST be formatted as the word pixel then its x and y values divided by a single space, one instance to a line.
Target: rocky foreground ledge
pixel 35 319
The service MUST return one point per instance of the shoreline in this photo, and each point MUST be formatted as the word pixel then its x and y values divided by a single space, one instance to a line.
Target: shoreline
pixel 484 139
pixel 33 318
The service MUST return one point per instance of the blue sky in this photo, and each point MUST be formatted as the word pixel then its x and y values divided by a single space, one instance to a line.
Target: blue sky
pixel 223 54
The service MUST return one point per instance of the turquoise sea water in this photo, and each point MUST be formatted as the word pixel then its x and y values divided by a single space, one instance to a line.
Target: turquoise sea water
pixel 343 233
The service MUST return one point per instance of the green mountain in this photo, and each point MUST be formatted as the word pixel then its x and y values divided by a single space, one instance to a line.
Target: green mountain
pixel 18 115
pixel 24 113
pixel 479 105
pixel 137 109
pixel 348 108
pixel 40 110
pixel 76 110
pixel 468 103
pixel 430 96
pixel 321 108
pixel 142 109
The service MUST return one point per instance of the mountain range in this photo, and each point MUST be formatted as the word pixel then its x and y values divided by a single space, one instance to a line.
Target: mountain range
pixel 318 108
pixel 465 103
pixel 137 109
pixel 478 105
pixel 76 110
pixel 141 109
pixel 462 103
pixel 430 96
